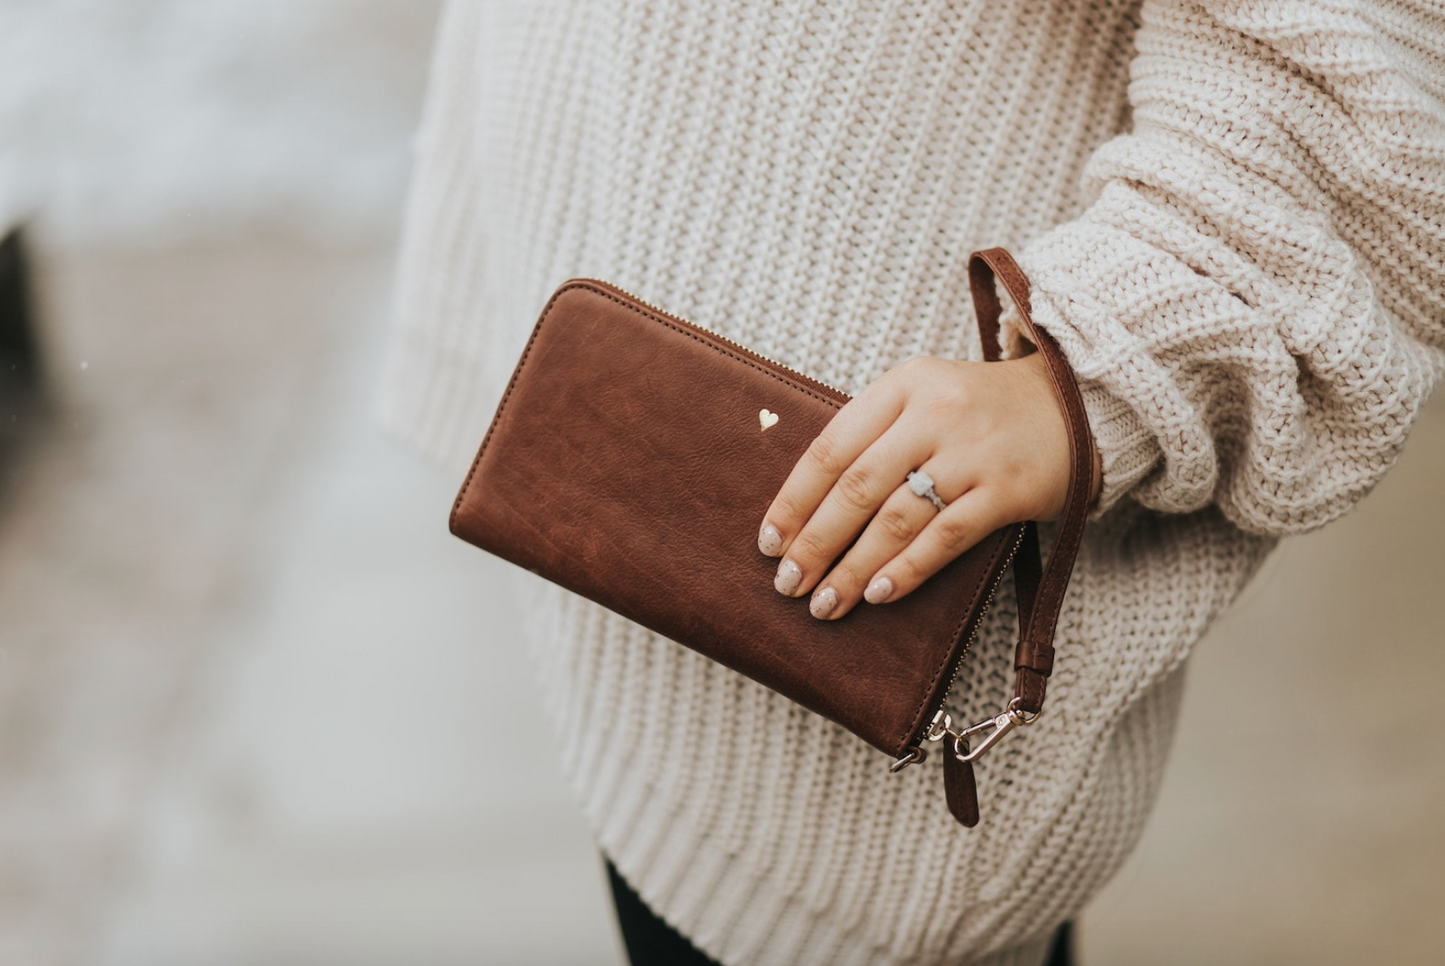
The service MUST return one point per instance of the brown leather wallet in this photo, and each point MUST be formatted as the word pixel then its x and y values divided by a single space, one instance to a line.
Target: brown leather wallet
pixel 631 461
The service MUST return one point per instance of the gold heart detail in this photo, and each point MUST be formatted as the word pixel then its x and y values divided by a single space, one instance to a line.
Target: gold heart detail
pixel 767 418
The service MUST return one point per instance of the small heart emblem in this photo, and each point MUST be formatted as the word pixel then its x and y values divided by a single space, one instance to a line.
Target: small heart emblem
pixel 767 418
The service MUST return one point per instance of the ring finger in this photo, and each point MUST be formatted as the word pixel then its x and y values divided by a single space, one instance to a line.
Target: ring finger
pixel 903 516
pixel 846 509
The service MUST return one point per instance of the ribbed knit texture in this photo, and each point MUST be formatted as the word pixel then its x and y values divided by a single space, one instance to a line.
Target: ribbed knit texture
pixel 1249 284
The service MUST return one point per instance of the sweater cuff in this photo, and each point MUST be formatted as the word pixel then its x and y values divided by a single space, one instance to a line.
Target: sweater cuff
pixel 1128 449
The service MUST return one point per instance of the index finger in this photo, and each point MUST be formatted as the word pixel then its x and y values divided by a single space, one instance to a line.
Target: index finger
pixel 862 420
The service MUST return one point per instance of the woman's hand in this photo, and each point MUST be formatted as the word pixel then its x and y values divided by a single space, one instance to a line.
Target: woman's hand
pixel 991 435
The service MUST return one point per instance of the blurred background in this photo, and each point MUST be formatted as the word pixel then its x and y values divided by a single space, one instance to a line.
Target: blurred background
pixel 256 707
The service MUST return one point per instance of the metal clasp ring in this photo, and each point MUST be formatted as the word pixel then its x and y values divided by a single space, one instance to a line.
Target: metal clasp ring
pixel 912 756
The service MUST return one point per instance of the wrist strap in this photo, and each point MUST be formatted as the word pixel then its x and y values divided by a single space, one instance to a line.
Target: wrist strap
pixel 1040 587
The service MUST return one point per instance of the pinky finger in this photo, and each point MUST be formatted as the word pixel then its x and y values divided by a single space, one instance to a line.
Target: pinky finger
pixel 960 525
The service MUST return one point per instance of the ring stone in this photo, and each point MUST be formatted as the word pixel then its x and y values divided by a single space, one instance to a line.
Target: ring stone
pixel 922 485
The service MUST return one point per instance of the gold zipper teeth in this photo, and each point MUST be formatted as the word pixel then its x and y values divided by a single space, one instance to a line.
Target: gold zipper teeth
pixel 717 335
pixel 968 644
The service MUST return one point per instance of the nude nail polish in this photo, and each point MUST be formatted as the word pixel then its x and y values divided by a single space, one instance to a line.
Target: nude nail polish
pixel 790 575
pixel 824 602
pixel 878 591
pixel 770 541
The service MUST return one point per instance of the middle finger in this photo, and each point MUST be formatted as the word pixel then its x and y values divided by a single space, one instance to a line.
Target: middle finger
pixel 849 505
pixel 901 518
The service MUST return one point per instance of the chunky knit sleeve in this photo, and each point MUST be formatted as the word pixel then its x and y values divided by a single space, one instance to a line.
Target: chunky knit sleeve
pixel 1254 298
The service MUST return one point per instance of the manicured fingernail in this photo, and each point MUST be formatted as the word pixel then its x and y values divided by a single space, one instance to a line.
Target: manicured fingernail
pixel 823 603
pixel 790 575
pixel 878 591
pixel 770 541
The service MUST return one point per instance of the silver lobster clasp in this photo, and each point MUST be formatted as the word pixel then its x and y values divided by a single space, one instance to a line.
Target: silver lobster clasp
pixel 992 729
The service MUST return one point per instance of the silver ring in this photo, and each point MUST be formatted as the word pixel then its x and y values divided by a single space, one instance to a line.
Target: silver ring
pixel 922 485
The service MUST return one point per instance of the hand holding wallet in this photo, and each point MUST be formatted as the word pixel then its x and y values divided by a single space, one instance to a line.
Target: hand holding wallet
pixel 629 461
pixel 929 457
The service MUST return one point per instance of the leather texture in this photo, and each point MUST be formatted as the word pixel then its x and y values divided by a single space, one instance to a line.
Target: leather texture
pixel 627 463
pixel 960 788
pixel 1040 590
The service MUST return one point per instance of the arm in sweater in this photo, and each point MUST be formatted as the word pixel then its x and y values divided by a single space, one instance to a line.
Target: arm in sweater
pixel 1254 301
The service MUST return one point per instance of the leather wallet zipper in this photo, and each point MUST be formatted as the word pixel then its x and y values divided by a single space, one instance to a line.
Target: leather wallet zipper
pixel 940 723
pixel 960 787
pixel 968 645
pixel 843 397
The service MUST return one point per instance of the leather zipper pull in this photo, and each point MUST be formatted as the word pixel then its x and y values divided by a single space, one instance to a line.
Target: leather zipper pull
pixel 960 787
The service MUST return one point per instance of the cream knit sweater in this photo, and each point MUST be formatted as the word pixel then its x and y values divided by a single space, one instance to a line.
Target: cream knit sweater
pixel 1233 214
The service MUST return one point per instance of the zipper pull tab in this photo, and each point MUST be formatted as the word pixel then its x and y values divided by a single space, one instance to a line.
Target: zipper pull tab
pixel 959 786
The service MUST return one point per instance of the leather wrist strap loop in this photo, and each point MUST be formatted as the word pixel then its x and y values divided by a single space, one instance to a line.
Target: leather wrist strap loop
pixel 1040 588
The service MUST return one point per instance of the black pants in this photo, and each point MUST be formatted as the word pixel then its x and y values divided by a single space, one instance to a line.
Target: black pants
pixel 652 942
